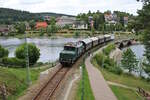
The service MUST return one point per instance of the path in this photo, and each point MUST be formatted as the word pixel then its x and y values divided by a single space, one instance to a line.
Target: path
pixel 121 85
pixel 99 86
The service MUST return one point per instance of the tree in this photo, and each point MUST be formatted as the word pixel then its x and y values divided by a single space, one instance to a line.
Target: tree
pixel 32 24
pixel 33 52
pixel 129 60
pixel 21 27
pixel 3 52
pixel 144 20
pixel 53 21
pixel 52 28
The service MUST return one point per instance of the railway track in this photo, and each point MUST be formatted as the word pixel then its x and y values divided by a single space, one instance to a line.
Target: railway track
pixel 49 88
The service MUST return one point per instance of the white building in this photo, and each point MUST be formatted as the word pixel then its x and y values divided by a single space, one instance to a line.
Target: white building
pixel 65 20
pixel 80 25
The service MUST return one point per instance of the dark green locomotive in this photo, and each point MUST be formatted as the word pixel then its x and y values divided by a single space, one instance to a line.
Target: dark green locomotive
pixel 71 52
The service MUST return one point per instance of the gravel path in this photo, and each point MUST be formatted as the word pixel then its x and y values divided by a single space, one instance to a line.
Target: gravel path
pixel 99 86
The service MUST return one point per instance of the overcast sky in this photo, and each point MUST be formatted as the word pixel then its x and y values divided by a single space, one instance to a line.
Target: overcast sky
pixel 72 7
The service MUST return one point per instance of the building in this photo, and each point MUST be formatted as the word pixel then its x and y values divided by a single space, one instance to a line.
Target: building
pixel 65 20
pixel 4 30
pixel 111 18
pixel 46 18
pixel 80 25
pixel 126 21
pixel 40 25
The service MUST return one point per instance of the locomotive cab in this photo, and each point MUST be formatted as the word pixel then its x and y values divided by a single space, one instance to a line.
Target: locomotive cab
pixel 67 55
pixel 70 53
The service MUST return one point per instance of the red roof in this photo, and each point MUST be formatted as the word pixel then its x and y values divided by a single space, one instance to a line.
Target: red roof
pixel 41 25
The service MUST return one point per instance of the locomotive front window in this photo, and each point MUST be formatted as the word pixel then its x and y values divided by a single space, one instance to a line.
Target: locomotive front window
pixel 69 48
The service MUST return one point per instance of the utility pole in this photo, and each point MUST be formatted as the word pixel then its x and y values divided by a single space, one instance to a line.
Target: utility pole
pixel 27 61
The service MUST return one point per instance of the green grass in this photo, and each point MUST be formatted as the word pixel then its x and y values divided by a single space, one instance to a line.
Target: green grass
pixel 88 94
pixel 125 94
pixel 15 80
pixel 124 79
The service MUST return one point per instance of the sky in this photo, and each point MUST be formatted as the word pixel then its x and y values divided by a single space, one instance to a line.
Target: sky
pixel 72 7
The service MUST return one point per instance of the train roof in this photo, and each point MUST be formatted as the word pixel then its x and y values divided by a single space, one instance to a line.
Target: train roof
pixel 87 41
pixel 73 44
pixel 107 35
pixel 94 38
pixel 100 37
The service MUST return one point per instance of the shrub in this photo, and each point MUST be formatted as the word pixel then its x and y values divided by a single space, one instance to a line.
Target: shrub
pixel 100 58
pixel 14 62
pixel 77 33
pixel 116 70
pixel 33 52
pixel 108 49
pixel 3 52
pixel 107 63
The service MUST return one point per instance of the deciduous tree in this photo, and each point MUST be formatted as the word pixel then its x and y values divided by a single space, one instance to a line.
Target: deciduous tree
pixel 33 52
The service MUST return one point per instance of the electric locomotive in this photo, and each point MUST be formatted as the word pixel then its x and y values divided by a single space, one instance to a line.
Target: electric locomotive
pixel 72 51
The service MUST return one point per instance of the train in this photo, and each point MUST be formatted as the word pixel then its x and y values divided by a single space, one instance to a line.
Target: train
pixel 73 50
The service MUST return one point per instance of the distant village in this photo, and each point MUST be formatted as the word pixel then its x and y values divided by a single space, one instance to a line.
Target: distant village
pixel 72 23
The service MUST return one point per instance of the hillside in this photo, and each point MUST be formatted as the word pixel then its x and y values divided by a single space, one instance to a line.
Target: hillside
pixel 9 16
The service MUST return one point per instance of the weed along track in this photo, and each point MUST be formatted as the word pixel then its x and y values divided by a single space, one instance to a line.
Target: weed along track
pixel 49 88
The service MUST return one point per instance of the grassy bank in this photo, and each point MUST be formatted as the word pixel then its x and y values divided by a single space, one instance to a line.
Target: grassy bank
pixel 125 94
pixel 88 95
pixel 124 79
pixel 15 80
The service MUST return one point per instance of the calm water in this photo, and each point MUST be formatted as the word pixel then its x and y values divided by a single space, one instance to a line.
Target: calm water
pixel 138 50
pixel 49 48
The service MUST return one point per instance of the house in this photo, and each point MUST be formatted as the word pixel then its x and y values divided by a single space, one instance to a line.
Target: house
pixel 79 25
pixel 111 18
pixel 40 25
pixel 4 29
pixel 65 20
pixel 46 18
pixel 126 21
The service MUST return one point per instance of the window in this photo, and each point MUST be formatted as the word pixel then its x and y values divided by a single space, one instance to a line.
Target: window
pixel 69 48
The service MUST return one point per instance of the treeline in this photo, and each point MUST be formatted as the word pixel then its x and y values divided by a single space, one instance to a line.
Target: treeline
pixel 10 16
pixel 99 19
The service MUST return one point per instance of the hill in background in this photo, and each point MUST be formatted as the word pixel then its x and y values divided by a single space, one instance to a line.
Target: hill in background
pixel 9 16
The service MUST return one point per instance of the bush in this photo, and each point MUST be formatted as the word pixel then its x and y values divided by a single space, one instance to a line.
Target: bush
pixel 108 49
pixel 100 58
pixel 14 62
pixel 77 33
pixel 33 52
pixel 3 52
pixel 107 63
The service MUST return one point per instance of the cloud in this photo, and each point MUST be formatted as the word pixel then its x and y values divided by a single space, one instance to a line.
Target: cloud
pixel 73 6
pixel 27 2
